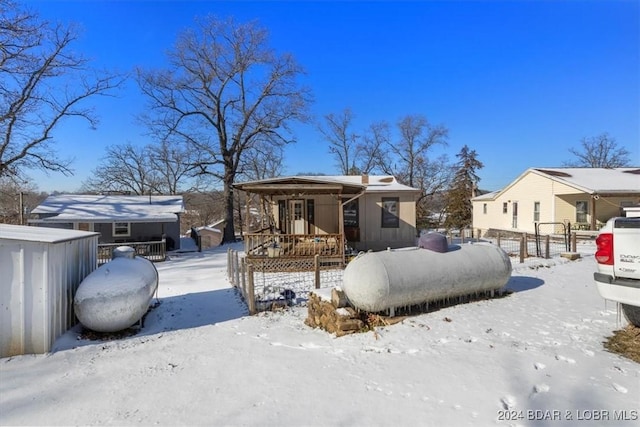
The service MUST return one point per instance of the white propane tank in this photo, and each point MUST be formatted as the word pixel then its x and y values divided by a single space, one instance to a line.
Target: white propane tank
pixel 377 281
pixel 117 294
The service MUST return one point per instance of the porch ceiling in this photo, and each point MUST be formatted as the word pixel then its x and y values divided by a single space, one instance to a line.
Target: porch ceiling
pixel 298 188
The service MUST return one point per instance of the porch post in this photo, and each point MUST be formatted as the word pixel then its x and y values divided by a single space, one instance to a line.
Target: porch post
pixel 592 226
pixel 247 212
pixel 341 225
pixel 340 215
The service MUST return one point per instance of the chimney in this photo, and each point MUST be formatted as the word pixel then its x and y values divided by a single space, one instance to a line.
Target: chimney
pixel 365 179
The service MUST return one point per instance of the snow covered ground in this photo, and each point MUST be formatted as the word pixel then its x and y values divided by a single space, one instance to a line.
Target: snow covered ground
pixel 534 357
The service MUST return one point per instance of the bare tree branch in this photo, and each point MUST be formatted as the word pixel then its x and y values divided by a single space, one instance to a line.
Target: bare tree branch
pixel 224 94
pixel 372 151
pixel 42 83
pixel 342 141
pixel 600 151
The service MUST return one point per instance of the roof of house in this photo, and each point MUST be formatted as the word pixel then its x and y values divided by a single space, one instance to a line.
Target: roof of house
pixel 586 180
pixel 322 184
pixel 100 208
pixel 41 235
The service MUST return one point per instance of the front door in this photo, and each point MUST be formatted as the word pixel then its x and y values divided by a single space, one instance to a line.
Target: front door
pixel 514 218
pixel 298 223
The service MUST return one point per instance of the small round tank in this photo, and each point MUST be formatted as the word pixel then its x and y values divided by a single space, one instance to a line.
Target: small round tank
pixel 117 294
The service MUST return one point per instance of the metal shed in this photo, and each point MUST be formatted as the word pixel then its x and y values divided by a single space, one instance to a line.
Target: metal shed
pixel 40 270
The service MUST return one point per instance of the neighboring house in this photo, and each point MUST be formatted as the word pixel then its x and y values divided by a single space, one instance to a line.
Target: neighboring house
pixel 366 212
pixel 118 219
pixel 584 198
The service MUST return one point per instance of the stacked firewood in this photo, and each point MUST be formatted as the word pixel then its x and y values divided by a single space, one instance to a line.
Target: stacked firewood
pixel 332 313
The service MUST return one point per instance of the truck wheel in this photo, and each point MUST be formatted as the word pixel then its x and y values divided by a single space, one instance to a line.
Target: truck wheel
pixel 632 313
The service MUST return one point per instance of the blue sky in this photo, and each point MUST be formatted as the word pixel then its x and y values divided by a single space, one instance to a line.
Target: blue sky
pixel 520 82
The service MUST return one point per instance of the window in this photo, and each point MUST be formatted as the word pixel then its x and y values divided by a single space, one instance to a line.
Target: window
pixel 282 215
pixel 582 209
pixel 536 211
pixel 297 210
pixel 390 218
pixel 504 207
pixel 311 211
pixel 484 208
pixel 350 214
pixel 121 229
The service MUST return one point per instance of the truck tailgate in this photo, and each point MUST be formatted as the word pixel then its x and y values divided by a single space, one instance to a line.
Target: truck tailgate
pixel 627 248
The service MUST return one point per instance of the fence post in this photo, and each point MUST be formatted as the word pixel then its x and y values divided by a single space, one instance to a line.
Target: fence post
pixel 522 245
pixel 236 267
pixel 546 247
pixel 250 297
pixel 243 270
pixel 498 240
pixel 316 268
pixel 229 264
pixel 574 242
pixel 526 245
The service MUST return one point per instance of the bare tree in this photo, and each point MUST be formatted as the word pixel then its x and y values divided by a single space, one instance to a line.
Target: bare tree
pixel 17 198
pixel 175 166
pixel 125 168
pixel 42 82
pixel 600 151
pixel 224 92
pixel 263 160
pixel 372 151
pixel 342 141
pixel 432 177
pixel 162 168
pixel 202 208
pixel 409 161
pixel 410 153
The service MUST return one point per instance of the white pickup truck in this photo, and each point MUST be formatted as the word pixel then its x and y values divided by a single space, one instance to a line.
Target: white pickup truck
pixel 618 257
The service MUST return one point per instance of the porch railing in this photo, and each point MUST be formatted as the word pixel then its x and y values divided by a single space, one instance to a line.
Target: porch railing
pixel 153 251
pixel 294 245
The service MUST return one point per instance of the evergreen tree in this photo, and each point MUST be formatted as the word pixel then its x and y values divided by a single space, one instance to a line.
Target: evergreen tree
pixel 462 189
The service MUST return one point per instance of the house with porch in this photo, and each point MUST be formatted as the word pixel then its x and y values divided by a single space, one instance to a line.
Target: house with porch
pixel 321 215
pixel 581 198
pixel 120 219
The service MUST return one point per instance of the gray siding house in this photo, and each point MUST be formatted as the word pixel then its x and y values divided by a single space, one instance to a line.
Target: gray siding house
pixel 118 219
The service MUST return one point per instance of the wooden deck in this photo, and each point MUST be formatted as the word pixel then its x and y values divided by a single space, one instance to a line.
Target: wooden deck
pixel 293 245
pixel 294 252
pixel 153 251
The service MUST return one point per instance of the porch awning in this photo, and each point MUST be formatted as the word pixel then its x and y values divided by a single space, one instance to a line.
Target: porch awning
pixel 300 186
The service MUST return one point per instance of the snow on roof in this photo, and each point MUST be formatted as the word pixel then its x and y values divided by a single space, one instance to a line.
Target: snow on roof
pixel 41 234
pixel 215 224
pixel 97 208
pixel 487 196
pixel 375 182
pixel 205 228
pixel 596 180
pixel 587 180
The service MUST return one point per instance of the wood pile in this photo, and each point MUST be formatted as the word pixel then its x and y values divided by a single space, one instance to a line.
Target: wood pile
pixel 332 313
